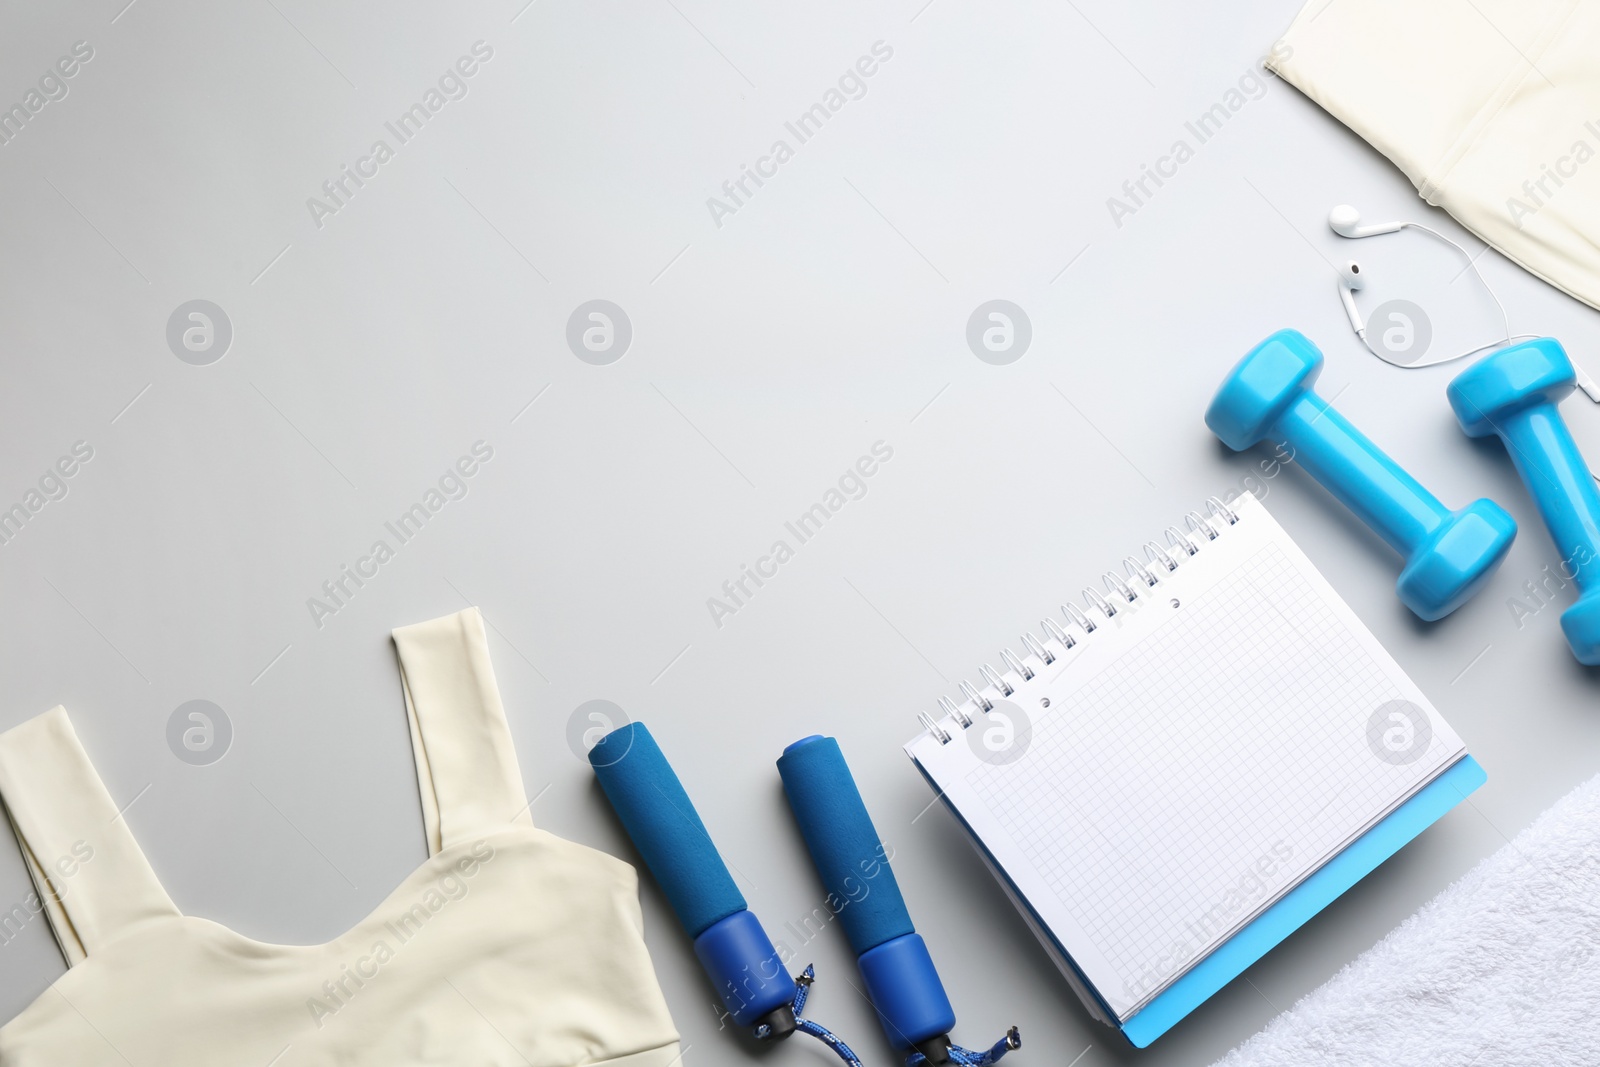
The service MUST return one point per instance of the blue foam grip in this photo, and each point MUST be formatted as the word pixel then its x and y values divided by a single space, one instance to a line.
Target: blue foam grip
pixel 665 828
pixel 844 844
pixel 905 988
pixel 744 967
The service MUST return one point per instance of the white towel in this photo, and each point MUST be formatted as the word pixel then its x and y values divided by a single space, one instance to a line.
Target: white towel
pixel 1499 970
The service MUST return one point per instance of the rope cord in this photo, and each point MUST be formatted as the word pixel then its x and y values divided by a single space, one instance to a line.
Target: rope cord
pixel 961 1057
pixel 802 991
pixel 966 1057
pixel 1472 265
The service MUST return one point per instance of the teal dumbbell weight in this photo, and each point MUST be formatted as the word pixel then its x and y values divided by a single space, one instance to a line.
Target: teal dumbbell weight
pixel 1513 394
pixel 1448 554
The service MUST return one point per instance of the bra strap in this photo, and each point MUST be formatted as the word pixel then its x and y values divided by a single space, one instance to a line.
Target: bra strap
pixel 466 767
pixel 91 878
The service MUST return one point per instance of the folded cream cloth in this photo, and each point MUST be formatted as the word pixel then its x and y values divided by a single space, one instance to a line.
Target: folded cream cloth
pixel 1490 107
pixel 1502 969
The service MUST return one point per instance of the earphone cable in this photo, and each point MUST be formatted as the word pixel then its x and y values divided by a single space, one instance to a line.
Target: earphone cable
pixel 1472 265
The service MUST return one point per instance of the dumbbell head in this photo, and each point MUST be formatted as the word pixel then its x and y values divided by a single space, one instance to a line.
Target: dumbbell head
pixel 1267 380
pixel 1581 624
pixel 1515 378
pixel 1453 564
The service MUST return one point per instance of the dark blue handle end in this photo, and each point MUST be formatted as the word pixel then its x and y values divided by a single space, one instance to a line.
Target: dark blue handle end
pixel 904 987
pixel 746 970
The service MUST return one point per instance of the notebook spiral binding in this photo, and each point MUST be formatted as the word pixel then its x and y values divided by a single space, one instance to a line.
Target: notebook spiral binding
pixel 1137 579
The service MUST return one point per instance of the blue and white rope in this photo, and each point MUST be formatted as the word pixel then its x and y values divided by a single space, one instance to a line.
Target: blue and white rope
pixel 802 990
pixel 962 1057
pixel 967 1057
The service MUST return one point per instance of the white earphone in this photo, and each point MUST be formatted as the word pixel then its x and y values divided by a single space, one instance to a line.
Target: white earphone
pixel 1345 221
pixel 1350 280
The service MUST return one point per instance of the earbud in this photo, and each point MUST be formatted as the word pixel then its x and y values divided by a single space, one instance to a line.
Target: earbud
pixel 1345 221
pixel 1351 279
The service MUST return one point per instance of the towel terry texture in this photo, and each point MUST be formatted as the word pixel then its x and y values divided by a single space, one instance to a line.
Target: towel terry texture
pixel 1500 969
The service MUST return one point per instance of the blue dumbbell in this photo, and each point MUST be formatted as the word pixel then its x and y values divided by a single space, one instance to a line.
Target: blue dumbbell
pixel 854 867
pixel 1448 554
pixel 1514 394
pixel 735 951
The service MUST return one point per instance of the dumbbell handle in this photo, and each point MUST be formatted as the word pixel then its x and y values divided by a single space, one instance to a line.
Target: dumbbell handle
pixel 1448 554
pixel 1547 458
pixel 1358 473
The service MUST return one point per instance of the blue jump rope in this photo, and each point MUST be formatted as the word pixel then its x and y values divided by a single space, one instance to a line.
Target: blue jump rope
pixel 895 965
pixel 738 956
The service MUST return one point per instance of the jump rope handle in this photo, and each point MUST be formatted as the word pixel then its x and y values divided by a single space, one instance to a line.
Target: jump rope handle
pixel 854 866
pixel 661 820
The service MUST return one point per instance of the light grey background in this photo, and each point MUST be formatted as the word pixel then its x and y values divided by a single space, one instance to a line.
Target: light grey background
pixel 768 354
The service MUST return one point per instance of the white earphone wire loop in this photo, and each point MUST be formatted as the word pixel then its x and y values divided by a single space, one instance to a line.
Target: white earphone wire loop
pixel 1472 265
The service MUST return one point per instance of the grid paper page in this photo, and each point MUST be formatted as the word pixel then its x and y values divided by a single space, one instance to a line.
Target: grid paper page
pixel 1171 794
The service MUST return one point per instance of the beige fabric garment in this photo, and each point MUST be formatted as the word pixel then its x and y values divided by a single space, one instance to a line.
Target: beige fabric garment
pixel 508 947
pixel 1490 107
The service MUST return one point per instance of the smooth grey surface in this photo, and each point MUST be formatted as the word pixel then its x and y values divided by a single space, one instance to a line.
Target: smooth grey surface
pixel 828 312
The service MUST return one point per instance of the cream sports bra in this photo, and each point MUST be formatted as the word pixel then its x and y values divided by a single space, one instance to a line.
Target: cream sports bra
pixel 508 947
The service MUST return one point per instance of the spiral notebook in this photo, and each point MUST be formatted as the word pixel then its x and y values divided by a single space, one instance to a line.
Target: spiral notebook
pixel 1184 768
